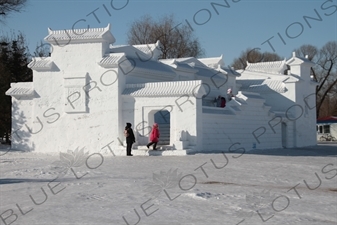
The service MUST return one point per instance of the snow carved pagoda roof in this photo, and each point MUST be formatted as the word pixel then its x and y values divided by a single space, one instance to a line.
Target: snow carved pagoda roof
pixel 21 89
pixel 213 62
pixel 39 63
pixel 263 86
pixel 277 67
pixel 80 35
pixel 176 88
pixel 111 60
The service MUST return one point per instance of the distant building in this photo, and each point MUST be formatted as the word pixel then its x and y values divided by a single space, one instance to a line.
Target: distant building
pixel 327 125
pixel 86 91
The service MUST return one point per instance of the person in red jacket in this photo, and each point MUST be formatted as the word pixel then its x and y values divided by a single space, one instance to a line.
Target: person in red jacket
pixel 154 137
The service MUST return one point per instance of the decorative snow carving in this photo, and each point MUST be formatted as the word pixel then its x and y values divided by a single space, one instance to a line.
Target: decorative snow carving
pixel 74 93
pixel 21 89
pixel 65 37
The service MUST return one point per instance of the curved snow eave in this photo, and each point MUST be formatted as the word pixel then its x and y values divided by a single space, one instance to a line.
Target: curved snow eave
pixel 229 71
pixel 88 35
pixel 21 89
pixel 41 64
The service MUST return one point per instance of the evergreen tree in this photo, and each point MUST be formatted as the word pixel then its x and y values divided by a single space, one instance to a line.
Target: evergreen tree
pixel 14 58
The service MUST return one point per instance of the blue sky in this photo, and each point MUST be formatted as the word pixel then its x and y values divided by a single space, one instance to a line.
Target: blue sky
pixel 221 30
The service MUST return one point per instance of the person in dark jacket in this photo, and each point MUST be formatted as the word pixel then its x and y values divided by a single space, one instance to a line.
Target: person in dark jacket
pixel 217 101
pixel 130 138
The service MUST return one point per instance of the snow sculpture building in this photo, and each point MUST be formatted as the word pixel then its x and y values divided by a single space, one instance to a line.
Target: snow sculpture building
pixel 86 91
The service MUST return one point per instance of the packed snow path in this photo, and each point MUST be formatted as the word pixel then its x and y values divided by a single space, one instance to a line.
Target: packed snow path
pixel 286 186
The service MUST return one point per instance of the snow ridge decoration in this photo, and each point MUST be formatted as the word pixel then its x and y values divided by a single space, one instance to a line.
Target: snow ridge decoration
pixel 162 181
pixel 76 158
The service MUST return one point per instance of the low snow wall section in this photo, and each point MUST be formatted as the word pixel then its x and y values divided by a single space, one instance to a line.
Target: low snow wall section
pixel 243 125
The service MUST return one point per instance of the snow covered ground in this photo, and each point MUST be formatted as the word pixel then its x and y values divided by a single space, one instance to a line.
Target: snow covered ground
pixel 287 186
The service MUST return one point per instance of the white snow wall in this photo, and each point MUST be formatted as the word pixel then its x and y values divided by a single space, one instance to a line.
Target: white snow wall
pixel 243 123
pixel 76 103
pixel 185 118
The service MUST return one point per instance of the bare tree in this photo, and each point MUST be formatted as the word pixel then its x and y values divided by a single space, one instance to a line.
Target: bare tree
pixel 177 39
pixel 42 50
pixel 309 50
pixel 325 73
pixel 8 6
pixel 334 111
pixel 253 56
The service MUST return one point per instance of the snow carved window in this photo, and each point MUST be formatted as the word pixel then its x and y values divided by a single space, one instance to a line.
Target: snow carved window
pixel 74 94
